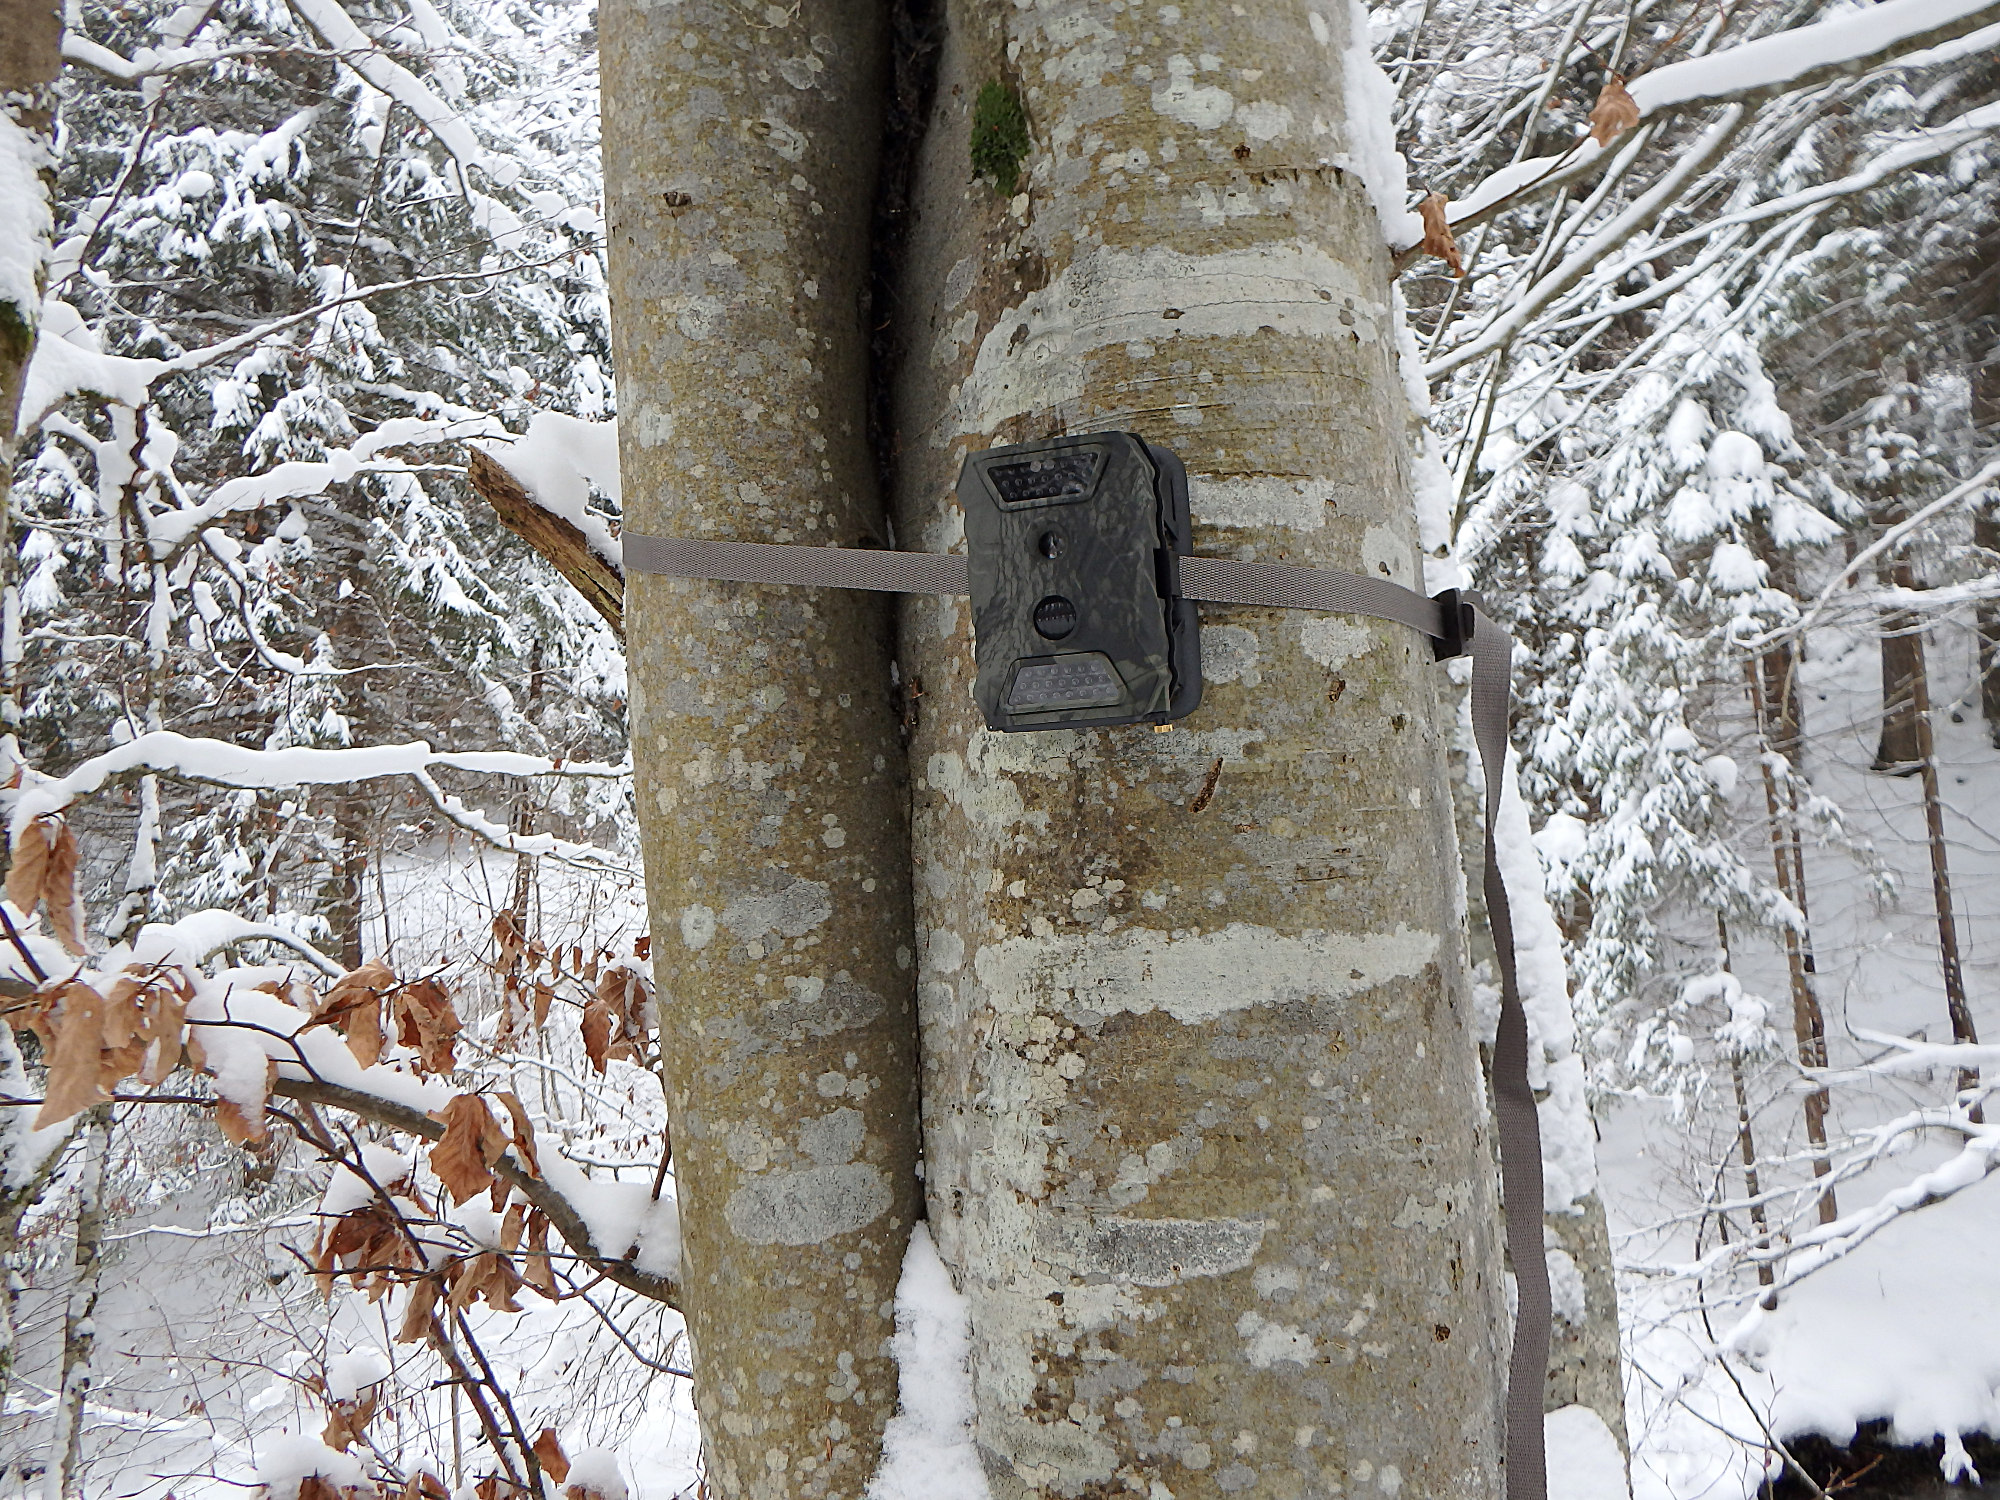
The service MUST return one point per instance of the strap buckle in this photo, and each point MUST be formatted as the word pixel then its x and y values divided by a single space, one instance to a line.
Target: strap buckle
pixel 1459 624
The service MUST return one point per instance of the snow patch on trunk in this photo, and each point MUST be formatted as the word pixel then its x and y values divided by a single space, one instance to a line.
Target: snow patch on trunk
pixel 927 1447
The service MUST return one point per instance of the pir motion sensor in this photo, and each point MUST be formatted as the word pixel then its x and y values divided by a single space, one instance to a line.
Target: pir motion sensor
pixel 1085 600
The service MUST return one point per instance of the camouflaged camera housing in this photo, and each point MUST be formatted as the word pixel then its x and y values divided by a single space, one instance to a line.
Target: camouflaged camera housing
pixel 1076 607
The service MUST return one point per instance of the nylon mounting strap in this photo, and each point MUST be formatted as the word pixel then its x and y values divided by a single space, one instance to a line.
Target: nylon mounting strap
pixel 1456 626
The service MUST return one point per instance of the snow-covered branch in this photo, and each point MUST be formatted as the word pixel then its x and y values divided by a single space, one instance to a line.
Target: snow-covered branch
pixel 539 486
pixel 1770 66
pixel 1889 541
pixel 219 763
pixel 1637 216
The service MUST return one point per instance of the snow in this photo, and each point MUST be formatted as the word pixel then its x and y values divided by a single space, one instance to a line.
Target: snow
pixel 1510 180
pixel 26 226
pixel 557 461
pixel 226 764
pixel 624 1219
pixel 1767 62
pixel 1569 1138
pixel 1583 1458
pixel 1372 156
pixel 68 360
pixel 286 1461
pixel 927 1447
pixel 1930 1332
pixel 349 1374
pixel 1773 61
pixel 348 1190
pixel 301 479
pixel 23 1149
pixel 595 1471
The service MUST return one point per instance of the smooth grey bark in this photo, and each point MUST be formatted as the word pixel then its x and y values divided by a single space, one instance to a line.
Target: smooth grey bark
pixel 1205 1145
pixel 1584 1367
pixel 740 159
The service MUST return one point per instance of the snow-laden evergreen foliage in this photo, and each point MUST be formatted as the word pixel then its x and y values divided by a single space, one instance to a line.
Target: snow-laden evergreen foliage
pixel 263 185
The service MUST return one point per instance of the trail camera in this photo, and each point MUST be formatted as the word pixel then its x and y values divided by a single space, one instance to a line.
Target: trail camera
pixel 1074 569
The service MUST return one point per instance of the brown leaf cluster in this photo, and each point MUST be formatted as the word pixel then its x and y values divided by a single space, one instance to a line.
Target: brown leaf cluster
pixel 371 1245
pixel 1438 239
pixel 368 1003
pixel 615 1020
pixel 353 1007
pixel 425 1020
pixel 422 1485
pixel 347 1421
pixel 93 1042
pixel 44 874
pixel 1614 113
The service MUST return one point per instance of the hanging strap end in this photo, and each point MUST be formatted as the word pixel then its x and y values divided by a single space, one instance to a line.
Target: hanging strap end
pixel 1459 622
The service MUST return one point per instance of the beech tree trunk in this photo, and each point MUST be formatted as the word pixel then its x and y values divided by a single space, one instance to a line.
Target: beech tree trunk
pixel 1986 516
pixel 1781 808
pixel 30 62
pixel 740 150
pixel 1957 1006
pixel 1203 1129
pixel 61 1480
pixel 1897 751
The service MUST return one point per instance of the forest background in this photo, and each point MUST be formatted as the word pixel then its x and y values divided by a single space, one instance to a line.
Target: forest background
pixel 314 746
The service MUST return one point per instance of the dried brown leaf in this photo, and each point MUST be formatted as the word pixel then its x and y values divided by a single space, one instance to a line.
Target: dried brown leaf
pixel 1438 238
pixel 1614 113
pixel 549 1454
pixel 421 1311
pixel 346 1421
pixel 536 1268
pixel 544 993
pixel 44 872
pixel 416 1325
pixel 524 1135
pixel 354 1007
pixel 597 1032
pixel 164 1003
pixel 76 1021
pixel 473 1140
pixel 490 1278
pixel 508 935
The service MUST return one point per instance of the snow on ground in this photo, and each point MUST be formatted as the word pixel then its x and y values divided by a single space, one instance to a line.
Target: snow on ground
pixel 1907 1327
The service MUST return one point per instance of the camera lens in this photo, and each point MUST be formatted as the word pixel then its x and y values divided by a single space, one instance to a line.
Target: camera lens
pixel 1051 544
pixel 1055 617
